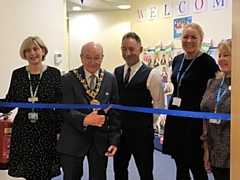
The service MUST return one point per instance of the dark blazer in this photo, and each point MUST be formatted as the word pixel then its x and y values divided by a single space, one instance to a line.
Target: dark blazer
pixel 75 138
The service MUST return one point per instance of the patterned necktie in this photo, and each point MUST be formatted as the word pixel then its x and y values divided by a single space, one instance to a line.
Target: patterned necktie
pixel 127 76
pixel 92 82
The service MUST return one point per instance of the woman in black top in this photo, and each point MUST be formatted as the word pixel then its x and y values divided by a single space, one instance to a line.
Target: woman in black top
pixel 190 73
pixel 32 150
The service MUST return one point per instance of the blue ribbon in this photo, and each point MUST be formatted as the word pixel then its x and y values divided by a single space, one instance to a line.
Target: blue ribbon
pixel 192 114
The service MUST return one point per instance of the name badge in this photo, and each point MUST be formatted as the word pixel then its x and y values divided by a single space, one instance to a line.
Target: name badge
pixel 33 117
pixel 32 99
pixel 177 101
pixel 215 121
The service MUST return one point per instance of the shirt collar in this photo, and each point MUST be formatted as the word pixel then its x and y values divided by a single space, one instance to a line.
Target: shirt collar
pixel 88 74
pixel 135 67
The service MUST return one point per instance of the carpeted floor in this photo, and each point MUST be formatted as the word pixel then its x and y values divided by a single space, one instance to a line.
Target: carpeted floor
pixel 164 169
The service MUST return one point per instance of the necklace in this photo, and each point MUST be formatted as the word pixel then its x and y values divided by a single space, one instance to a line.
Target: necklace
pixel 92 93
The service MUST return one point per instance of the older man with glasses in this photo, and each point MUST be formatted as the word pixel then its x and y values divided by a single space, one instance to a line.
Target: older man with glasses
pixel 89 132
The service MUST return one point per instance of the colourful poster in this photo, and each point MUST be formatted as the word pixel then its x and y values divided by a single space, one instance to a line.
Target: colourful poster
pixel 145 54
pixel 178 25
pixel 206 44
pixel 168 47
pixel 158 47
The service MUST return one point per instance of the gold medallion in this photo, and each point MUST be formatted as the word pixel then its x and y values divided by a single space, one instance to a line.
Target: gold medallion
pixel 91 93
pixel 95 102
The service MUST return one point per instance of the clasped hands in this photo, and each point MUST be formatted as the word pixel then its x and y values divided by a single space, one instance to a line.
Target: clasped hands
pixel 95 119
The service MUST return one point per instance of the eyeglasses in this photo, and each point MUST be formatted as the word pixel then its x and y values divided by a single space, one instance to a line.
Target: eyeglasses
pixel 89 58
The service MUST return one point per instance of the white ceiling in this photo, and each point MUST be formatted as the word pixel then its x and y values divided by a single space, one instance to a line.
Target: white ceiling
pixel 96 5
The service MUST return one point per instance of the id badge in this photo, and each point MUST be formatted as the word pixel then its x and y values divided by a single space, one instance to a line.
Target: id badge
pixel 177 101
pixel 33 99
pixel 33 117
pixel 215 121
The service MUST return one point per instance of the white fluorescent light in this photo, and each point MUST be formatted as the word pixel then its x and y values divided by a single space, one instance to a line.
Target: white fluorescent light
pixel 124 6
pixel 76 8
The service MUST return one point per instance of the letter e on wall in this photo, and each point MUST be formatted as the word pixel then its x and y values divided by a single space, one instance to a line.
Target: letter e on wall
pixel 153 12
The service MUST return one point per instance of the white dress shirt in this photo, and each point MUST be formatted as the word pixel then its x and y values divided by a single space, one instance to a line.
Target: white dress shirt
pixel 88 76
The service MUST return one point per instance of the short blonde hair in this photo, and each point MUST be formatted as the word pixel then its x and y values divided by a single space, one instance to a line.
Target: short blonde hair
pixel 37 41
pixel 228 45
pixel 195 26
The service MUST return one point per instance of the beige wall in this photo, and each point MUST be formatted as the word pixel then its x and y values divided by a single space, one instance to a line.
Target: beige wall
pixel 216 24
pixel 20 19
pixel 105 27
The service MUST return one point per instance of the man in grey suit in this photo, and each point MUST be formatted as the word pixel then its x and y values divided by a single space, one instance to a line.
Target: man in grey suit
pixel 89 132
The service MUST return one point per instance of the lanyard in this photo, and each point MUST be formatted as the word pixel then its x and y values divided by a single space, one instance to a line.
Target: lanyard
pixel 219 95
pixel 179 81
pixel 31 88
